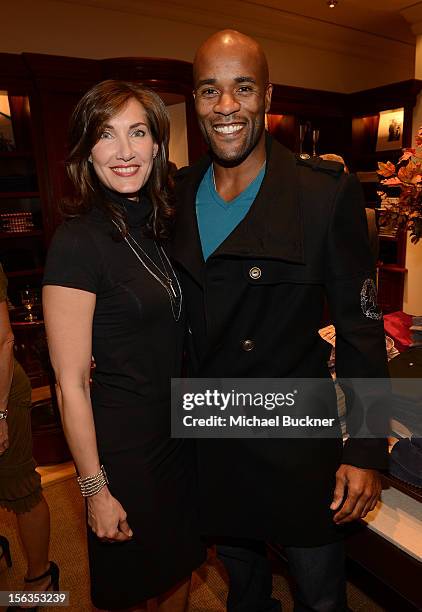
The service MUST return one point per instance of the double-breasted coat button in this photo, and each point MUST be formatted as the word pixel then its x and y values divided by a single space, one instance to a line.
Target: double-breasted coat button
pixel 248 345
pixel 255 272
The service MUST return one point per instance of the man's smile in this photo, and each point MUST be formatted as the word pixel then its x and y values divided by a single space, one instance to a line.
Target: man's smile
pixel 228 128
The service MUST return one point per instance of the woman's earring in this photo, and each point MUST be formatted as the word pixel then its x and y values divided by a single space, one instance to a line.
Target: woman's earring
pixel 90 159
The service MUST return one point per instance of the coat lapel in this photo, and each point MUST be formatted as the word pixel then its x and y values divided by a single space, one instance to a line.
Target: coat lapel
pixel 273 227
pixel 185 245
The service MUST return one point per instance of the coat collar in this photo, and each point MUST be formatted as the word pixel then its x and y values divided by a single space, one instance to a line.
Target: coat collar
pixel 271 229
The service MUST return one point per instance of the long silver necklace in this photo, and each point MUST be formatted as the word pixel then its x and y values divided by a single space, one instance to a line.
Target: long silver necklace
pixel 174 293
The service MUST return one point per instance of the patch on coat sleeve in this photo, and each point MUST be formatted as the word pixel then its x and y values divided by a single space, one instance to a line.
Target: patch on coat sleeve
pixel 368 300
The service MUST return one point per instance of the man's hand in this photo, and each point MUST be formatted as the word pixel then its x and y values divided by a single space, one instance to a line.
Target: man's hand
pixel 363 492
pixel 4 436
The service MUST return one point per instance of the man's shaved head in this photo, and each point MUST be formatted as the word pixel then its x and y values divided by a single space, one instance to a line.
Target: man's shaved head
pixel 232 95
pixel 232 42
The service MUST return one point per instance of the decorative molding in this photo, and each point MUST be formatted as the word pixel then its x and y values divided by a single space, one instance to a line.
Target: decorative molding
pixel 266 22
pixel 413 15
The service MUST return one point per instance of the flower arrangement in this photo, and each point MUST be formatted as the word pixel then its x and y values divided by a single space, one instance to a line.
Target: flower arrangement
pixel 406 210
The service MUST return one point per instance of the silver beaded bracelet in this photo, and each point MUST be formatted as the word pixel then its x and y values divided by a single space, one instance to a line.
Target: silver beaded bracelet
pixel 91 485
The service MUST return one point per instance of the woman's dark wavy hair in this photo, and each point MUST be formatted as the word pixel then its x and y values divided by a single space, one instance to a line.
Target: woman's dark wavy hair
pixel 90 116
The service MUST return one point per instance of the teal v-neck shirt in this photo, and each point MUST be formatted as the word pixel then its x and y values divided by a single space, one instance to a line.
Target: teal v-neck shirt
pixel 218 218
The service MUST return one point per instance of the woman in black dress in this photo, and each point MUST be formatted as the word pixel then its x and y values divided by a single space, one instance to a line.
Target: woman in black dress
pixel 110 292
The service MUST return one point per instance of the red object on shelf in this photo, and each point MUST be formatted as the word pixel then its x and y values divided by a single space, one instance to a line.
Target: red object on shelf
pixel 396 325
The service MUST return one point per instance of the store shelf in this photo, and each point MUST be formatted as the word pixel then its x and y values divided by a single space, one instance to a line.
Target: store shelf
pixel 31 272
pixel 388 237
pixel 392 481
pixel 15 154
pixel 16 235
pixel 393 268
pixel 19 194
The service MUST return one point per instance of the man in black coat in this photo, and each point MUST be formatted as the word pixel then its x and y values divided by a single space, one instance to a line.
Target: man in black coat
pixel 261 238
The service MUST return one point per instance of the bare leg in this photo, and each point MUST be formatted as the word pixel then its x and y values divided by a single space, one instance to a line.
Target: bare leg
pixel 175 600
pixel 34 531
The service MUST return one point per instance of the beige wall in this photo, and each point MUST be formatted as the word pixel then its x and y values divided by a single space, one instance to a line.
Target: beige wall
pixel 417 113
pixel 178 152
pixel 412 303
pixel 412 300
pixel 301 52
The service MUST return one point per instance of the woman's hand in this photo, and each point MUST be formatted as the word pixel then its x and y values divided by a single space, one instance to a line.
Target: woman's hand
pixel 4 436
pixel 107 518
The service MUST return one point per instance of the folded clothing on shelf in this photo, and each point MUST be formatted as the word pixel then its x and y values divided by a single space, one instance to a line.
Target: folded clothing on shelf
pixel 18 182
pixel 406 460
pixel 16 223
pixel 406 374
pixel 416 331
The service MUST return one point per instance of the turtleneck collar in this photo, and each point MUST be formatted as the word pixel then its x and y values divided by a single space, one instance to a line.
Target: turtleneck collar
pixel 137 213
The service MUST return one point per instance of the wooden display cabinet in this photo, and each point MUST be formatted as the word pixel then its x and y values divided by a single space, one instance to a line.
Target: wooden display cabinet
pixel 322 110
pixel 348 126
pixel 365 107
pixel 22 245
pixel 22 249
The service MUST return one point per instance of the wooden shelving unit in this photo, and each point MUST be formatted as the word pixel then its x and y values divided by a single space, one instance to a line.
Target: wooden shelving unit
pixel 15 154
pixel 22 184
pixel 348 125
pixel 19 235
pixel 19 194
pixel 404 487
pixel 26 273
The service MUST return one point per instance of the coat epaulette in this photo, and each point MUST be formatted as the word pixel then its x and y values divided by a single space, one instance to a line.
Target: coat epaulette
pixel 181 172
pixel 322 165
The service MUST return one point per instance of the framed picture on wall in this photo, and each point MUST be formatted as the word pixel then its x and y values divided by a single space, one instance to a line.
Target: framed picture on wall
pixel 390 130
pixel 7 141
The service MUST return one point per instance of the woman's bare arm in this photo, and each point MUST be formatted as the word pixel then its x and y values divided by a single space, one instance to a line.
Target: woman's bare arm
pixel 68 315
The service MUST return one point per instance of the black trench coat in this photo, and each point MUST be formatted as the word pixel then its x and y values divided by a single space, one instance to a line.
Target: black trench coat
pixel 306 232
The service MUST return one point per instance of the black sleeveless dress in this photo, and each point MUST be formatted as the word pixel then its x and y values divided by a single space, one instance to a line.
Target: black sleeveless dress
pixel 137 347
